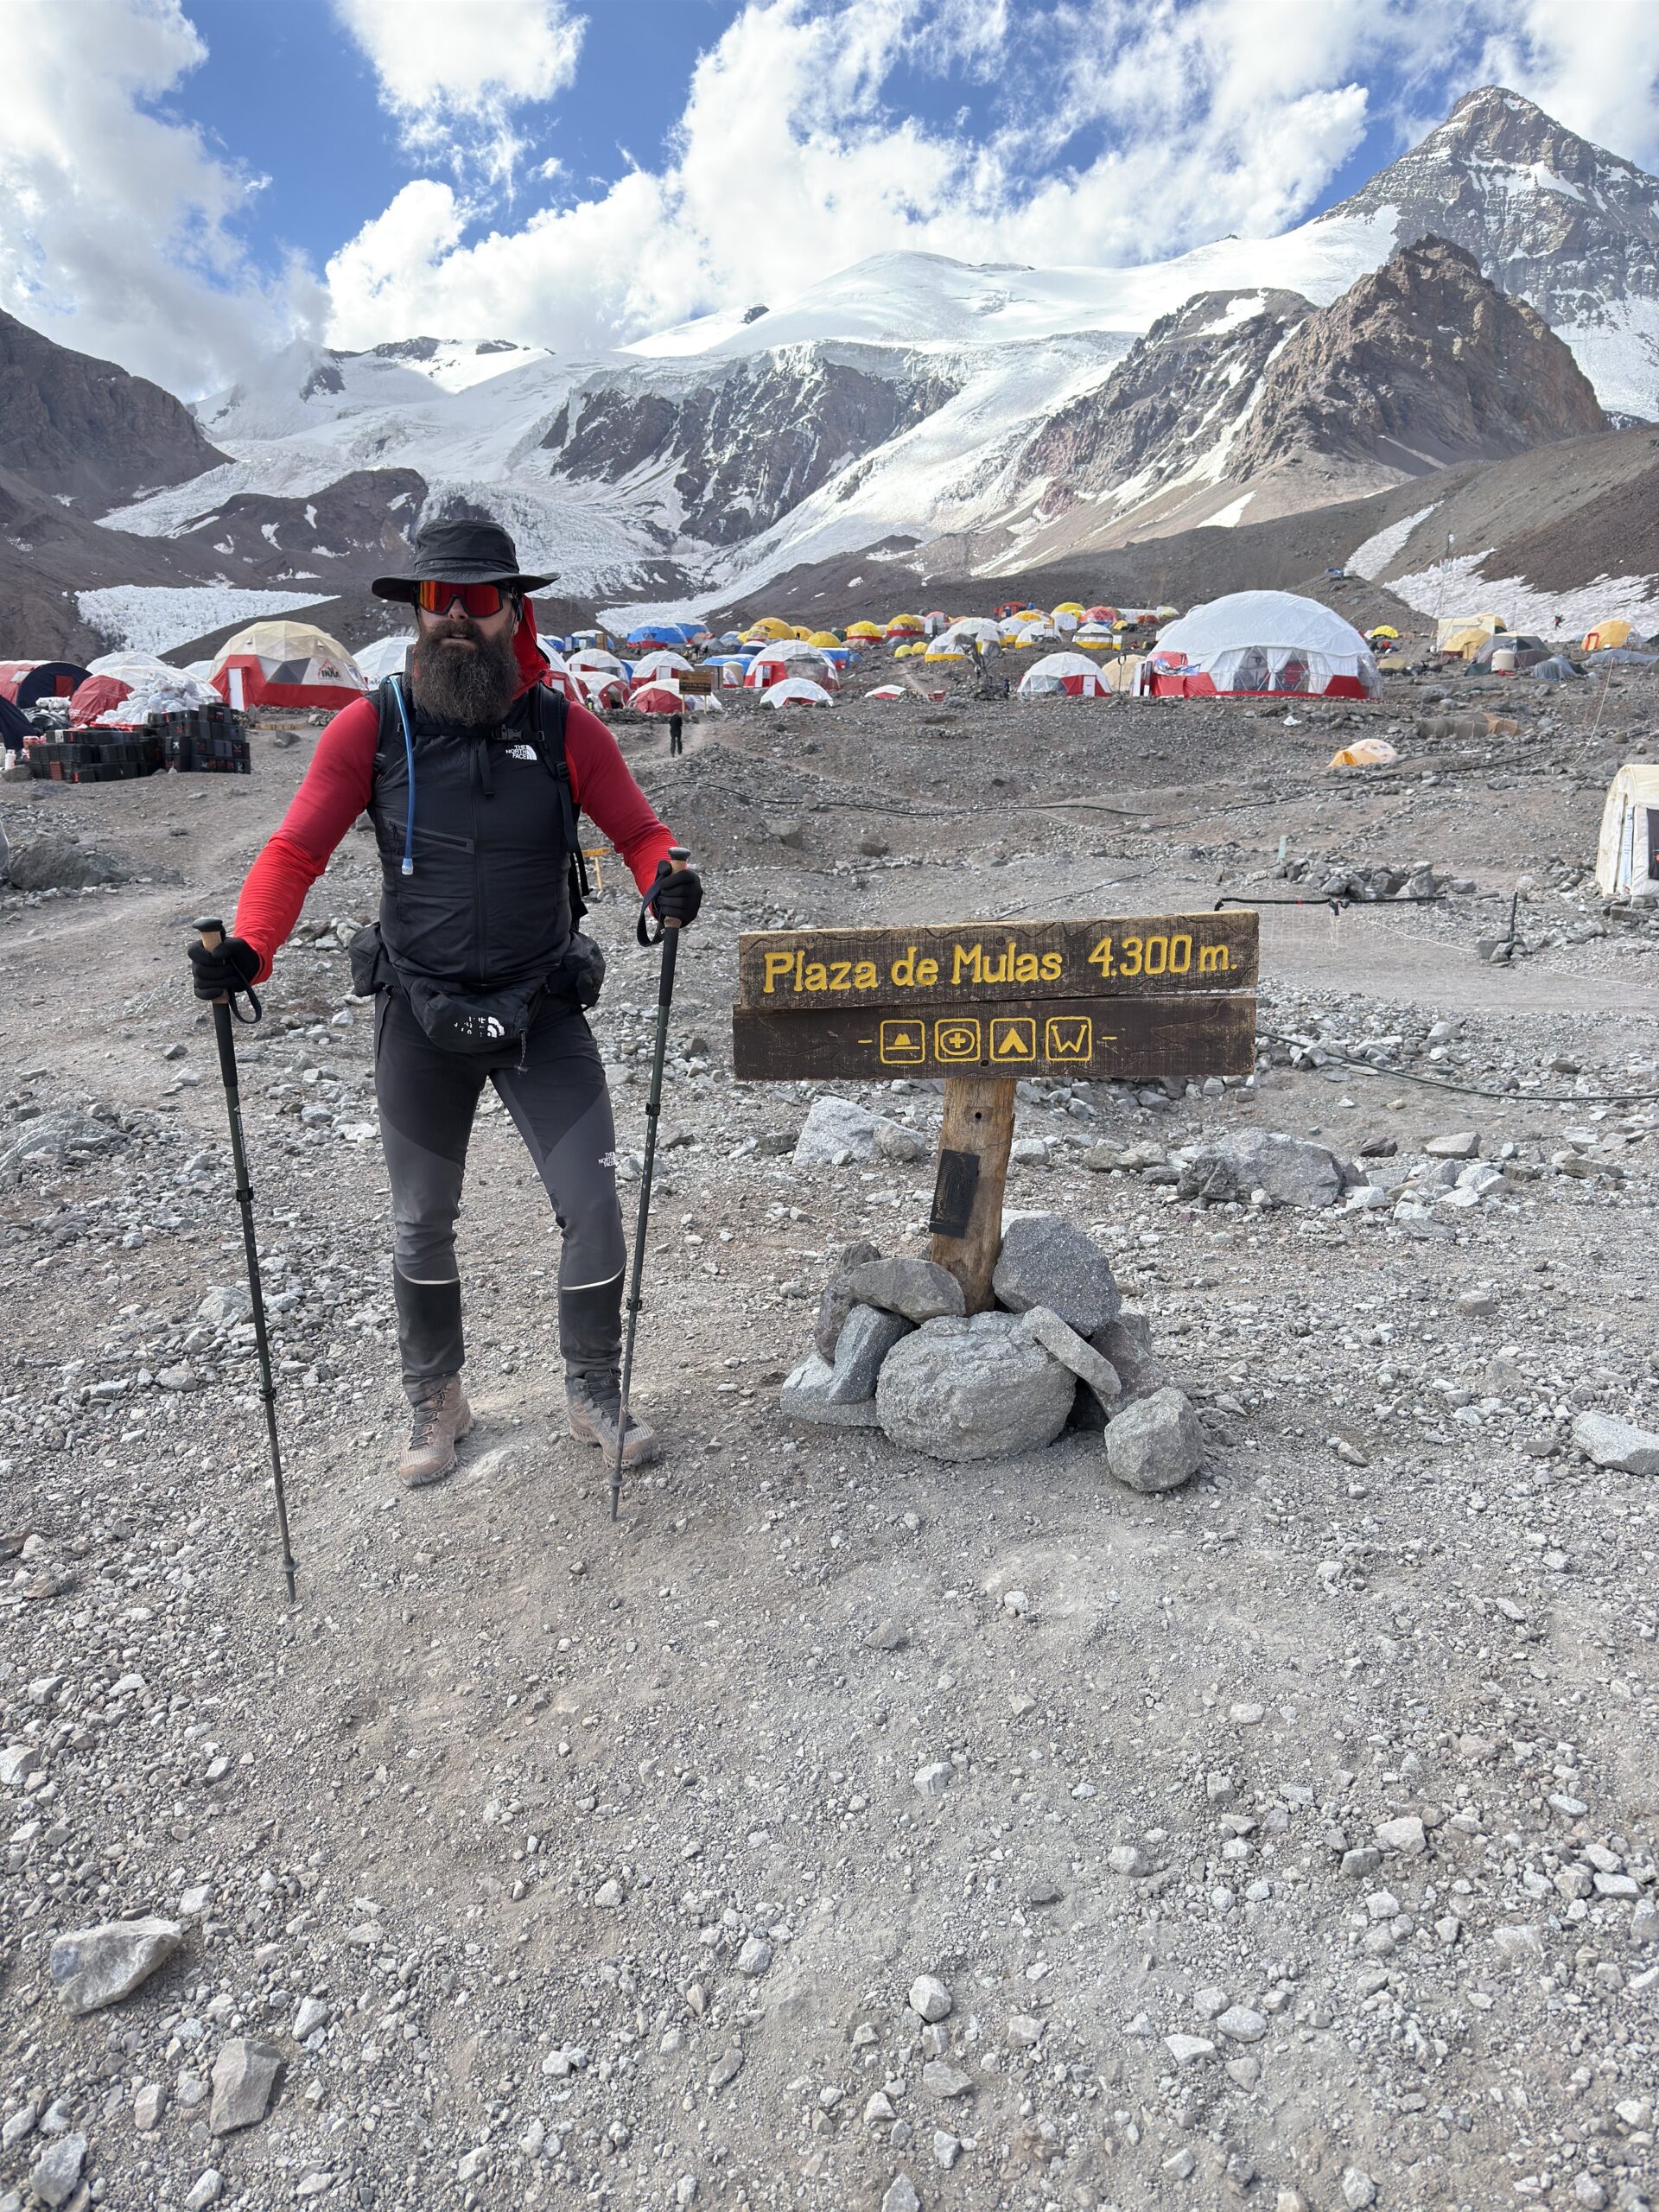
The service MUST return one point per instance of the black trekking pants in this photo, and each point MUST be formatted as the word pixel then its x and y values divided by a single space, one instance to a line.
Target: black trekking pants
pixel 552 1082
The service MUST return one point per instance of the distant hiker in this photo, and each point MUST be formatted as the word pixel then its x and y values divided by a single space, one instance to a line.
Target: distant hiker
pixel 676 746
pixel 471 771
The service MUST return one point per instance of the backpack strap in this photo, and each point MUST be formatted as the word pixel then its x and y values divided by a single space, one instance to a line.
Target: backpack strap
pixel 547 709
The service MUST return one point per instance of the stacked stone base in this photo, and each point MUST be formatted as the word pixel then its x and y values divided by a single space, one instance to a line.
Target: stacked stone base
pixel 895 1350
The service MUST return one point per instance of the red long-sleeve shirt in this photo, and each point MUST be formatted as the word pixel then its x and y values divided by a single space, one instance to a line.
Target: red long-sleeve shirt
pixel 336 791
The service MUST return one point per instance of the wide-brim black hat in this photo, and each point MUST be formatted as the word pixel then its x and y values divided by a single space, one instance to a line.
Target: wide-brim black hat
pixel 459 552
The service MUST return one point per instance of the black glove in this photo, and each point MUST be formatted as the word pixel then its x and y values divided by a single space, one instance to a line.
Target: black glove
pixel 676 895
pixel 229 968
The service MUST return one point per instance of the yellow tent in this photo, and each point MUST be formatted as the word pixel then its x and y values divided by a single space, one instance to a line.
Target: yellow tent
pixel 1383 630
pixel 1612 630
pixel 1123 674
pixel 1466 642
pixel 769 625
pixel 950 652
pixel 823 638
pixel 863 630
pixel 803 631
pixel 1457 626
pixel 1071 607
pixel 1365 753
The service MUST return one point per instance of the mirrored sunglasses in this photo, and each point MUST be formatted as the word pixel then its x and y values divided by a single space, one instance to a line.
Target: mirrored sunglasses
pixel 477 600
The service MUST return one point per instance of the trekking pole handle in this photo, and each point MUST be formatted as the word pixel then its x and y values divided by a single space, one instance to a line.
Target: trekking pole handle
pixel 212 933
pixel 679 859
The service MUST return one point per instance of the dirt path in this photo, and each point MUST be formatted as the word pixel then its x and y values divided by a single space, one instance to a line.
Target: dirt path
pixel 600 1849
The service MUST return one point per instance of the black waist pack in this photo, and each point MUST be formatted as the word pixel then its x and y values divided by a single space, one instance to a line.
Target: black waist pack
pixel 479 1022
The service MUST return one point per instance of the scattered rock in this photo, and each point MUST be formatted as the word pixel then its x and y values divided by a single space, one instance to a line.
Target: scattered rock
pixel 1358 2190
pixel 1464 1144
pixel 245 2080
pixel 755 1957
pixel 147 2106
pixel 56 2175
pixel 1186 2048
pixel 1156 1443
pixel 53 1140
pixel 205 2191
pixel 1404 1834
pixel 901 2195
pixel 1240 2025
pixel 225 1306
pixel 972 1389
pixel 933 1781
pixel 1291 1170
pixel 918 1290
pixel 1045 1261
pixel 95 1966
pixel 1613 1443
pixel 312 2015
pixel 941 2079
pixel 929 1998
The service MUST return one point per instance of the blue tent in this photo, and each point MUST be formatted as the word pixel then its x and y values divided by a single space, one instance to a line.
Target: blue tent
pixel 1555 669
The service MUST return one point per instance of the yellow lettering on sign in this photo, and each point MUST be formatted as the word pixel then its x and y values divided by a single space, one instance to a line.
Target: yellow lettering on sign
pixel 1069 1036
pixel 1101 957
pixel 817 976
pixel 1026 967
pixel 865 977
pixel 777 964
pixel 927 973
pixel 966 961
pixel 1050 968
pixel 1212 957
pixel 904 969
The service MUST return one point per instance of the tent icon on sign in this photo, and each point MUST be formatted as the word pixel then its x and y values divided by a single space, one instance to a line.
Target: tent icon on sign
pixel 1013 1037
pixel 903 1044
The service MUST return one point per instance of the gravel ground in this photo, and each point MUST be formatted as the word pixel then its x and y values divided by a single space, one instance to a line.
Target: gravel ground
pixel 1295 1831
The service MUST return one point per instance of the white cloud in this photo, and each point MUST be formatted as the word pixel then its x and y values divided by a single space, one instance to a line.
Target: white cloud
pixel 115 225
pixel 786 165
pixel 453 72
pixel 1596 71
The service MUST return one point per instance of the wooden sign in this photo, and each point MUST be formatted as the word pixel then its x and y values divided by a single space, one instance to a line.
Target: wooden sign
pixel 1126 999
pixel 784 971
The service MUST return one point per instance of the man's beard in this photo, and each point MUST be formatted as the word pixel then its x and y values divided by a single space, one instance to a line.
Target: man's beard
pixel 474 689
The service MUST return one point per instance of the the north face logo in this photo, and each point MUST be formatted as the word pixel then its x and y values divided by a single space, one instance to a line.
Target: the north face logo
pixel 521 752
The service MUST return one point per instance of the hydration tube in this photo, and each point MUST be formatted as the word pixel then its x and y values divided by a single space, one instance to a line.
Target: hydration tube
pixel 409 755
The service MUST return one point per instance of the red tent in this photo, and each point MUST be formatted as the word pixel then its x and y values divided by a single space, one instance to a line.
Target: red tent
pixel 25 682
pixel 95 697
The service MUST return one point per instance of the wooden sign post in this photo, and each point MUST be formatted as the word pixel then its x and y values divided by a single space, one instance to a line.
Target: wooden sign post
pixel 983 1005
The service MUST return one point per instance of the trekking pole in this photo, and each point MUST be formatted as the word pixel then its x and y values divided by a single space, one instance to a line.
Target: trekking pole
pixel 212 933
pixel 668 936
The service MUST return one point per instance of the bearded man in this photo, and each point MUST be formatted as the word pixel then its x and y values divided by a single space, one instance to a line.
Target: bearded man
pixel 472 771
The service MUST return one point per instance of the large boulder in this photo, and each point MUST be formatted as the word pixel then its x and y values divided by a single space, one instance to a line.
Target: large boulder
pixel 975 1388
pixel 1291 1170
pixel 55 863
pixel 838 1130
pixel 1045 1261
pixel 1614 1443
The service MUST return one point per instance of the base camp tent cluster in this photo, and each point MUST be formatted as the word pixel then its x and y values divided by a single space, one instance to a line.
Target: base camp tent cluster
pixel 1252 642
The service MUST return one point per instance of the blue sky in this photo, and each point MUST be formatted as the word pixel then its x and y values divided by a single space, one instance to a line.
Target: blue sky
pixel 637 59
pixel 243 172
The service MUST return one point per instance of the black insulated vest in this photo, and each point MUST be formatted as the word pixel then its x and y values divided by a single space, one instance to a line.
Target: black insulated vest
pixel 488 904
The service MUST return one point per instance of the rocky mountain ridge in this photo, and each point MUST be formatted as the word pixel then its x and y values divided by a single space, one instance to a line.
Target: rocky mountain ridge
pixel 84 430
pixel 1003 416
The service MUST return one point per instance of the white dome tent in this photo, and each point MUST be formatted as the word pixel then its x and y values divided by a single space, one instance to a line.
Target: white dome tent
pixel 386 657
pixel 1063 675
pixel 1255 642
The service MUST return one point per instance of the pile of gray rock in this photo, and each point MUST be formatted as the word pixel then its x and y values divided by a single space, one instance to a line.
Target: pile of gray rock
pixel 894 1348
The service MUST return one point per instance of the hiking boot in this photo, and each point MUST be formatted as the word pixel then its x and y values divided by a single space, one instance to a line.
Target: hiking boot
pixel 441 1414
pixel 596 1400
